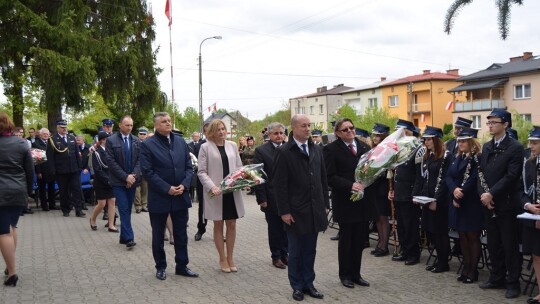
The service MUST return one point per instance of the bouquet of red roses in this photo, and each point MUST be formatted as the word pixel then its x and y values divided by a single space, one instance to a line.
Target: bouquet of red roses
pixel 391 152
pixel 38 156
pixel 244 177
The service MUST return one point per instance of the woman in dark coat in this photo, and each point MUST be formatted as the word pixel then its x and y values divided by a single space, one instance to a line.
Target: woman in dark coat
pixel 465 211
pixel 530 202
pixel 428 183
pixel 103 189
pixel 16 178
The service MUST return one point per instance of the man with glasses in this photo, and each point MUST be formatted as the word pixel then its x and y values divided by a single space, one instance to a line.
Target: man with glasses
pixel 500 168
pixel 65 164
pixel 451 145
pixel 277 238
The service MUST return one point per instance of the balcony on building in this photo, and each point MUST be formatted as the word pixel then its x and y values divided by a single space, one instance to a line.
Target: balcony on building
pixel 479 95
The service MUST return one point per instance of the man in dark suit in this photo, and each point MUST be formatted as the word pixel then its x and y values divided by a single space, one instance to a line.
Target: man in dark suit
pixel 168 183
pixel 141 194
pixel 341 157
pixel 65 164
pixel 45 178
pixel 32 135
pixel 84 150
pixel 301 192
pixel 499 176
pixel 195 147
pixel 451 145
pixel 277 238
pixel 124 174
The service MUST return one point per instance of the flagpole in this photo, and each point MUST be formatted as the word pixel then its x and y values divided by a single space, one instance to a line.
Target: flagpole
pixel 169 9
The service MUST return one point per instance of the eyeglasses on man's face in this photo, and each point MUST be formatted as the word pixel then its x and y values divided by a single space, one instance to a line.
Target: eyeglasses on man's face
pixel 492 123
pixel 351 128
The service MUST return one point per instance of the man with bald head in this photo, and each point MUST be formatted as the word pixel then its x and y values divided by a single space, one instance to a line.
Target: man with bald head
pixel 301 195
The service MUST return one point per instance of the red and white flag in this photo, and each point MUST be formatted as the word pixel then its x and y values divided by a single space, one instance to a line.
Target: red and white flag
pixel 168 11
pixel 212 108
pixel 449 105
pixel 423 118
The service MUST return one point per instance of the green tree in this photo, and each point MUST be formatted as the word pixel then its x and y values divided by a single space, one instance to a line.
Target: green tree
pixel 522 127
pixel 368 119
pixel 504 7
pixel 188 122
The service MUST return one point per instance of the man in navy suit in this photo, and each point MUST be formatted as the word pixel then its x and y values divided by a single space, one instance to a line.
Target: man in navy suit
pixel 166 165
pixel 195 147
pixel 277 238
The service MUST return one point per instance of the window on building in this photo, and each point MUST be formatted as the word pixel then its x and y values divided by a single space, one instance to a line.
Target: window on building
pixel 296 110
pixel 522 91
pixel 316 99
pixel 393 101
pixel 476 122
pixel 372 102
pixel 303 110
pixel 311 108
pixel 321 110
pixel 526 117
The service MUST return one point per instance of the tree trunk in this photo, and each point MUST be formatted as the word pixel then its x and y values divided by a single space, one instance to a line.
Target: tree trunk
pixel 15 92
pixel 52 117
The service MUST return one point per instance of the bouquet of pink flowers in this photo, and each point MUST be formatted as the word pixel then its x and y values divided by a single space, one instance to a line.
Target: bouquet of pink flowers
pixel 390 153
pixel 244 177
pixel 38 156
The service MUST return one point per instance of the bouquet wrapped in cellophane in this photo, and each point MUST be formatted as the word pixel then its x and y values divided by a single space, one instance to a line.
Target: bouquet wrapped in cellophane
pixel 243 177
pixel 194 161
pixel 38 156
pixel 390 153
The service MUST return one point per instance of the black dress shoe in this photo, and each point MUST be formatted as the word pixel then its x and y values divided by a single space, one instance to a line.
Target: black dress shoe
pixel 186 272
pixel 130 244
pixel 11 281
pixel 347 283
pixel 512 293
pixel 198 236
pixel 399 258
pixel 372 252
pixel 122 242
pixel 314 293
pixel 137 211
pixel 161 274
pixel 461 277
pixel 66 214
pixel 80 214
pixel 491 285
pixel 278 264
pixel 532 301
pixel 431 267
pixel 381 253
pixel 285 260
pixel 412 261
pixel 298 295
pixel 360 281
pixel 441 268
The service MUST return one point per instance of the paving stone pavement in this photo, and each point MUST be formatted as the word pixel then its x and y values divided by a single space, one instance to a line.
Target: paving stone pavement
pixel 60 260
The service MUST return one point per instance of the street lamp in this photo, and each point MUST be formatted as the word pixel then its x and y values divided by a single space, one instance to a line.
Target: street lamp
pixel 200 81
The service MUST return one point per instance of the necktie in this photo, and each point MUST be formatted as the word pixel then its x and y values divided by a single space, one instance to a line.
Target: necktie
pixel 304 149
pixel 64 138
pixel 127 155
pixel 351 147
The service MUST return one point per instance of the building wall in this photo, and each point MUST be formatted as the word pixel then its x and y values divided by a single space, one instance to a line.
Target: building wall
pixel 524 106
pixel 359 100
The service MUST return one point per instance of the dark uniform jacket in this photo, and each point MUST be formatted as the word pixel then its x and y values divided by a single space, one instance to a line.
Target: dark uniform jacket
pixel 404 176
pixel 300 186
pixel 85 153
pixel 451 146
pixel 115 159
pixel 62 157
pixel 196 147
pixel 502 167
pixel 529 181
pixel 43 168
pixel 165 165
pixel 100 168
pixel 265 193
pixel 340 167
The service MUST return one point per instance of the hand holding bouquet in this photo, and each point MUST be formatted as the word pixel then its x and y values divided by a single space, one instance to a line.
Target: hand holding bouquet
pixel 38 156
pixel 390 153
pixel 244 177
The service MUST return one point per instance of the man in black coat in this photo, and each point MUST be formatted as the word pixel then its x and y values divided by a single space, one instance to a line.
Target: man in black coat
pixel 500 168
pixel 301 192
pixel 195 147
pixel 451 145
pixel 341 157
pixel 277 238
pixel 45 178
pixel 65 164
pixel 84 150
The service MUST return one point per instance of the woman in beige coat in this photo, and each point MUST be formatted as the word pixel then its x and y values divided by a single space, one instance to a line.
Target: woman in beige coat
pixel 217 158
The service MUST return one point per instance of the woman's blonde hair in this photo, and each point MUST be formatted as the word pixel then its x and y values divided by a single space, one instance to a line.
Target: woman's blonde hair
pixel 213 128
pixel 474 146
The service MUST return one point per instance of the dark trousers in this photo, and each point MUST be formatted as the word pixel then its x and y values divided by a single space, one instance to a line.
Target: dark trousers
pixel 503 247
pixel 124 200
pixel 69 185
pixel 408 219
pixel 442 247
pixel 302 251
pixel 350 247
pixel 201 224
pixel 277 237
pixel 47 194
pixel 158 221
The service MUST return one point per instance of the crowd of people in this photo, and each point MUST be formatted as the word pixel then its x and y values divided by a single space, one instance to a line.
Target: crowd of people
pixel 472 188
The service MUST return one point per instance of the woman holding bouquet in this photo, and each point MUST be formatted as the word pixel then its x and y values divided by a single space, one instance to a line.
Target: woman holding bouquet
pixel 465 210
pixel 428 182
pixel 217 158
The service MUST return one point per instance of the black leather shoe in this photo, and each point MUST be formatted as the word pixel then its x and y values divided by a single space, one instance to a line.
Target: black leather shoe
pixel 441 268
pixel 187 272
pixel 347 283
pixel 360 281
pixel 512 293
pixel 130 244
pixel 431 267
pixel 144 209
pixel 381 253
pixel 532 301
pixel 399 258
pixel 314 293
pixel 298 295
pixel 137 211
pixel 198 236
pixel 491 285
pixel 278 264
pixel 412 261
pixel 123 242
pixel 161 274
pixel 461 277
pixel 66 214
pixel 80 214
pixel 285 260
